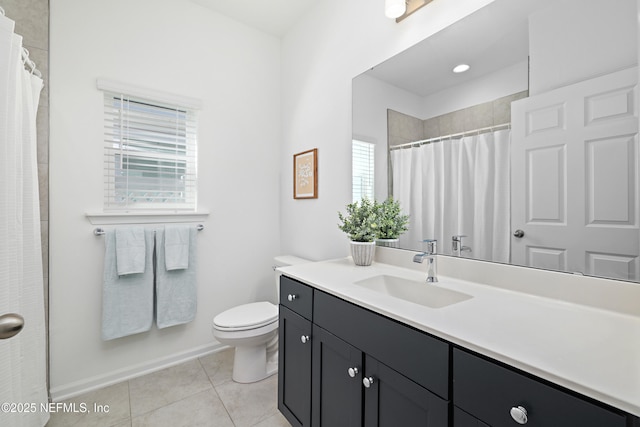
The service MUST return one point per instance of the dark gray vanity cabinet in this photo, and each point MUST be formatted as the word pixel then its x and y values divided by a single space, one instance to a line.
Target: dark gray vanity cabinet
pixel 294 355
pixel 341 397
pixel 396 375
pixel 394 400
pixel 337 381
pixel 366 369
pixel 488 393
pixel 342 365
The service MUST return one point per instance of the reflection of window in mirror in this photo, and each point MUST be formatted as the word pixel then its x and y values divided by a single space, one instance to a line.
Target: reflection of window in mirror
pixel 362 168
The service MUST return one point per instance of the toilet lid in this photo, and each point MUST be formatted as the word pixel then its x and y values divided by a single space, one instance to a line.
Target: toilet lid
pixel 247 316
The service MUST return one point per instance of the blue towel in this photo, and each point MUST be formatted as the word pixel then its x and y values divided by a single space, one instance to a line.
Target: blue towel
pixel 130 250
pixel 176 292
pixel 176 246
pixel 127 301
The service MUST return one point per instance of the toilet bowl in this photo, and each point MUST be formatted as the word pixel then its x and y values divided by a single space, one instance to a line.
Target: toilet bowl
pixel 253 330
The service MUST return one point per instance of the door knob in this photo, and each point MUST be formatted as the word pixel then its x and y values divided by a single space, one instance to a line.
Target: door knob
pixel 10 324
pixel 519 234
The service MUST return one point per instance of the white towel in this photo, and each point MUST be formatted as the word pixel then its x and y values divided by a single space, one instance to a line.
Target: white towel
pixel 130 250
pixel 176 292
pixel 127 301
pixel 176 247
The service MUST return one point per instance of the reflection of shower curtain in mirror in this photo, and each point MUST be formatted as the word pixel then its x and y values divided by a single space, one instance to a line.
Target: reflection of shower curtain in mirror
pixel 457 186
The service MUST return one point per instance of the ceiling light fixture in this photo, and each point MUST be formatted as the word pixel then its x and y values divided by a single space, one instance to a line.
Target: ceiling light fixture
pixel 400 9
pixel 461 68
pixel 394 8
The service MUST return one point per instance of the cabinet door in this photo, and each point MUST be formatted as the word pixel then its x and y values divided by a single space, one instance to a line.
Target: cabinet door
pixel 491 392
pixel 462 419
pixel 294 373
pixel 392 400
pixel 337 381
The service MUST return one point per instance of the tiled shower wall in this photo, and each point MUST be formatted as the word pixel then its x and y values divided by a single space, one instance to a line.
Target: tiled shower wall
pixel 32 23
pixel 403 128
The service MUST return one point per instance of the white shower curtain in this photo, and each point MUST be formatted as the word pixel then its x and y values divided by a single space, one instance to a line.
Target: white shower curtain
pixel 22 357
pixel 457 187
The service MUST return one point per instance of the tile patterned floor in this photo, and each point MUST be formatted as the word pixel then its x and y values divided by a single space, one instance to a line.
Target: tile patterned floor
pixel 196 393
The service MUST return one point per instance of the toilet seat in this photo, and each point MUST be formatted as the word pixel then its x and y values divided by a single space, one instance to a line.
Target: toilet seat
pixel 246 316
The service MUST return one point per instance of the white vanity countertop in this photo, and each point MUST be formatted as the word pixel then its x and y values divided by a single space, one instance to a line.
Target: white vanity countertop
pixel 591 350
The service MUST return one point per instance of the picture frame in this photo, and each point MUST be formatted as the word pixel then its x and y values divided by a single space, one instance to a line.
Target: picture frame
pixel 305 174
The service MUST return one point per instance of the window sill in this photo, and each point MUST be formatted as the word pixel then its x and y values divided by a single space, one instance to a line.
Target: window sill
pixel 107 218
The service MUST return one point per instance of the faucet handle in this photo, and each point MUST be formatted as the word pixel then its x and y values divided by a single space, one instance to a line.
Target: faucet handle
pixel 432 246
pixel 456 243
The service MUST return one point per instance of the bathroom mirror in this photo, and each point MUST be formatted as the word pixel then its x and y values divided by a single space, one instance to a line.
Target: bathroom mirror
pixel 561 198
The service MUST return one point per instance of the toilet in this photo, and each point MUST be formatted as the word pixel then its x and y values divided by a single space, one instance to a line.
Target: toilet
pixel 253 330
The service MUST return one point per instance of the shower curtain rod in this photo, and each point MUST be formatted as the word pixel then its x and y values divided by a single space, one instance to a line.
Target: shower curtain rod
pixel 25 55
pixel 453 135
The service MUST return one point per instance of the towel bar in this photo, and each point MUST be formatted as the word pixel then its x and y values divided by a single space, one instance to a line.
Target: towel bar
pixel 100 231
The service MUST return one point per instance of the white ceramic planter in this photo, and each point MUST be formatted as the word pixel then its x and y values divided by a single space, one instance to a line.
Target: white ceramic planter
pixel 362 252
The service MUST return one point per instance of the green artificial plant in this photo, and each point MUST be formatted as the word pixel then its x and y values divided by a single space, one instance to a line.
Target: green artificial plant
pixel 361 221
pixel 391 222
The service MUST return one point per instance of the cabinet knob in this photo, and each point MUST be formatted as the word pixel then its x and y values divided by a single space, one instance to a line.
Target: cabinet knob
pixel 353 372
pixel 305 339
pixel 367 382
pixel 519 414
pixel 292 297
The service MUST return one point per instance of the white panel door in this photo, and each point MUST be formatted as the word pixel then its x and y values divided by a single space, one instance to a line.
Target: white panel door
pixel 574 178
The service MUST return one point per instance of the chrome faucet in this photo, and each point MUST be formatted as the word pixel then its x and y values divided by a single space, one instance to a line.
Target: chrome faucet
pixel 430 256
pixel 456 245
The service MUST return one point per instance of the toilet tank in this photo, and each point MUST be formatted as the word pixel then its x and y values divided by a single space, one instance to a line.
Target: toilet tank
pixel 284 261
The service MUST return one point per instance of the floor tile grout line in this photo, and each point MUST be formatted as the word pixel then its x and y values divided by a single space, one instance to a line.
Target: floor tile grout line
pixel 129 394
pixel 218 394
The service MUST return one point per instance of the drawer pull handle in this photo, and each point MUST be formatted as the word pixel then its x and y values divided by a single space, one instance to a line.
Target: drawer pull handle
pixel 367 382
pixel 352 372
pixel 305 339
pixel 292 297
pixel 519 414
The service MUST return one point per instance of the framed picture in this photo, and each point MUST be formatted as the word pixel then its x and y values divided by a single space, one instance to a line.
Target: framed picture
pixel 305 175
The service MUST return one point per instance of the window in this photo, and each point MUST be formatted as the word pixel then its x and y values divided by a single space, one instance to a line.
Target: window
pixel 150 155
pixel 362 155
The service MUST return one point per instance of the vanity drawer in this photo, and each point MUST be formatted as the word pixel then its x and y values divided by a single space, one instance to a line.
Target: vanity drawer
pixel 489 391
pixel 296 296
pixel 410 352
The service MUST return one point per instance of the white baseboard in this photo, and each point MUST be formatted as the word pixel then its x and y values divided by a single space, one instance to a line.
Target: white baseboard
pixel 76 388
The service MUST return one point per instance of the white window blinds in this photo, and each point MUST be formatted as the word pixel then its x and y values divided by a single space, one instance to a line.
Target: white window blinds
pixel 362 155
pixel 150 154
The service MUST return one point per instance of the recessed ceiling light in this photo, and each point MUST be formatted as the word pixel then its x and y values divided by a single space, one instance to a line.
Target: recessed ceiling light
pixel 461 68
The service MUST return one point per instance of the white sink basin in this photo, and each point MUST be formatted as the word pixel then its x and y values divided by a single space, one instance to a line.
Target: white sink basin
pixel 418 292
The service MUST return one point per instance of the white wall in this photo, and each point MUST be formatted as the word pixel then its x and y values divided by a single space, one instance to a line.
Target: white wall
pixel 371 99
pixel 320 57
pixel 178 47
pixel 509 80
pixel 589 29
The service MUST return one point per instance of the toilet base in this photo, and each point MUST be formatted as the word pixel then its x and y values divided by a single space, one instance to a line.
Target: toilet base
pixel 250 364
